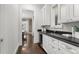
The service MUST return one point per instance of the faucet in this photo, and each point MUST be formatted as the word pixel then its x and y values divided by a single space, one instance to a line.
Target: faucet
pixel 73 31
pixel 54 30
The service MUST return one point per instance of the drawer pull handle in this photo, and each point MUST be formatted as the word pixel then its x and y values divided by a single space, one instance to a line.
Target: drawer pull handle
pixel 1 40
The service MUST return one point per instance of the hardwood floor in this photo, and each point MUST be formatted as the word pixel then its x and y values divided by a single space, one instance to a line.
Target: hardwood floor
pixel 29 48
pixel 34 49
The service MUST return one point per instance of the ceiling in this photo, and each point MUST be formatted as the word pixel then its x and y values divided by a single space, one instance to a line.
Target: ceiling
pixel 38 5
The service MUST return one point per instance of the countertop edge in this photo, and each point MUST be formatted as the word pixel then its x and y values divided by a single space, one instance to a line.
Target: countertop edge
pixel 61 39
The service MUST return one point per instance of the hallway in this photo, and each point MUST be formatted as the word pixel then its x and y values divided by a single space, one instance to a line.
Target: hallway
pixel 12 19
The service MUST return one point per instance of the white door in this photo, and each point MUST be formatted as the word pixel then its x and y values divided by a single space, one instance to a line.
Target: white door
pixel 9 28
pixel 3 25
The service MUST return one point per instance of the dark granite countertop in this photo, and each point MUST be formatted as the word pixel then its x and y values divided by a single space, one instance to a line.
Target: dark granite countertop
pixel 70 40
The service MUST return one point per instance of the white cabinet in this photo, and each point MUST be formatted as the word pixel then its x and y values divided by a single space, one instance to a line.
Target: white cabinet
pixel 75 12
pixel 69 13
pixel 66 12
pixel 67 48
pixel 46 11
pixel 55 46
pixel 55 16
pixel 50 44
pixel 47 14
pixel 43 15
pixel 46 43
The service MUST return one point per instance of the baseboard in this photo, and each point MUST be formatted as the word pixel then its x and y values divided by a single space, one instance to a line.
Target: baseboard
pixel 19 49
pixel 42 48
pixel 16 49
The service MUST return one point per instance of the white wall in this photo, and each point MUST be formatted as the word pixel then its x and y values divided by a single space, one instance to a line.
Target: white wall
pixel 11 20
pixel 37 25
pixel 27 14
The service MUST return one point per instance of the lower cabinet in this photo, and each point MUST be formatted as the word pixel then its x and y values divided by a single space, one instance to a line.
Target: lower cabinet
pixel 50 44
pixel 55 46
pixel 68 48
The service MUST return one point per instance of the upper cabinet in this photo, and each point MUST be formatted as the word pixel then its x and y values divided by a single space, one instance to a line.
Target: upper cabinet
pixel 46 11
pixel 43 15
pixel 55 16
pixel 66 12
pixel 75 12
pixel 69 13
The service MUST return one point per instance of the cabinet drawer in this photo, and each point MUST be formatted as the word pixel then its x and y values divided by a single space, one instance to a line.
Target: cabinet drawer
pixel 68 47
pixel 63 51
pixel 54 49
pixel 50 49
pixel 54 46
pixel 45 47
pixel 53 41
pixel 45 39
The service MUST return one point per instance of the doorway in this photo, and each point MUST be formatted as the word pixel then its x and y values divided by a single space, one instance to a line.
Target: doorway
pixel 27 26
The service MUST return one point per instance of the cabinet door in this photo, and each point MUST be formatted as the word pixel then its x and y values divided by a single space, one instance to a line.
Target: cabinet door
pixel 47 14
pixel 43 15
pixel 46 45
pixel 68 48
pixel 66 12
pixel 50 44
pixel 62 48
pixel 53 42
pixel 76 12
pixel 53 16
pixel 59 14
pixel 46 11
pixel 54 45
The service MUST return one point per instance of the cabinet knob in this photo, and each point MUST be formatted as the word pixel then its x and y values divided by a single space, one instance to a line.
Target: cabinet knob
pixel 1 40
